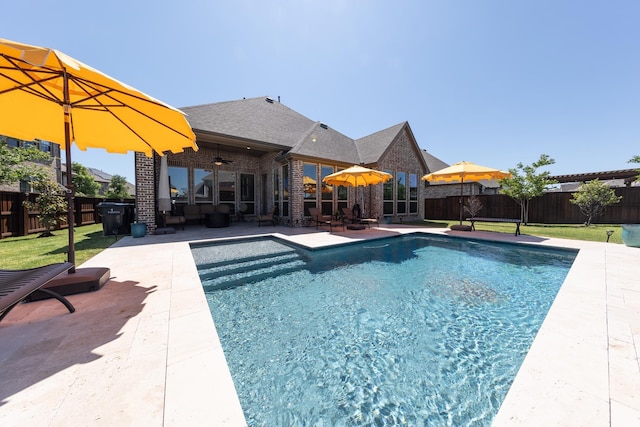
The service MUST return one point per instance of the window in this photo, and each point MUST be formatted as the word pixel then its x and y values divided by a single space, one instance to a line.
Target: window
pixel 25 187
pixel 247 192
pixel 203 185
pixel 342 197
pixel 227 189
pixel 401 192
pixel 387 190
pixel 285 191
pixel 309 183
pixel 327 191
pixel 413 193
pixel 276 186
pixel 45 146
pixel 179 184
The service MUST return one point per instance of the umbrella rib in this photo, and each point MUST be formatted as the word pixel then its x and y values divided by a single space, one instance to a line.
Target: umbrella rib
pixel 105 91
pixel 28 87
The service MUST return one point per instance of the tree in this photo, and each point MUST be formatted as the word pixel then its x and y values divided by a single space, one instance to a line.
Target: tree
pixel 21 163
pixel 526 183
pixel 84 183
pixel 472 206
pixel 636 159
pixel 118 188
pixel 50 202
pixel 592 198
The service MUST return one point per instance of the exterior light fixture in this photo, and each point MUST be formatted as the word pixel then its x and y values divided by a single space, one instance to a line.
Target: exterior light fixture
pixel 609 233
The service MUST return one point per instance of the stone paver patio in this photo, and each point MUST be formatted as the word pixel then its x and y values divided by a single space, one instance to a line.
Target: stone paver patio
pixel 143 350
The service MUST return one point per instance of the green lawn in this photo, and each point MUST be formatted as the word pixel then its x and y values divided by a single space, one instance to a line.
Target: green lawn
pixel 32 251
pixel 594 233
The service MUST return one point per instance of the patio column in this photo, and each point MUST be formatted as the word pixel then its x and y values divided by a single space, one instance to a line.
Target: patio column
pixel 145 191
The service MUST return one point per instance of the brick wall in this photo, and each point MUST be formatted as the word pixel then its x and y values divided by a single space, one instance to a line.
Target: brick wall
pixel 145 191
pixel 403 155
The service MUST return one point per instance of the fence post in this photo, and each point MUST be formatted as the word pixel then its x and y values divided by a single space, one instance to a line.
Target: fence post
pixel 23 215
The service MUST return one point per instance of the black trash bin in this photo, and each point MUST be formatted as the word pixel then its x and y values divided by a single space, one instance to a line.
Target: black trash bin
pixel 116 218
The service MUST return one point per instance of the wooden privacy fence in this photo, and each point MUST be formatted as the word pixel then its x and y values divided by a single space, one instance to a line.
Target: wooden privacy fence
pixel 550 208
pixel 16 220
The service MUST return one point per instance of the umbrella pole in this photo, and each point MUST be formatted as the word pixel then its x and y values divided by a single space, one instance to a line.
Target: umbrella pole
pixel 67 141
pixel 461 196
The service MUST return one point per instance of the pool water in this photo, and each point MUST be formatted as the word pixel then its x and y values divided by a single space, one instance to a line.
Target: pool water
pixel 411 330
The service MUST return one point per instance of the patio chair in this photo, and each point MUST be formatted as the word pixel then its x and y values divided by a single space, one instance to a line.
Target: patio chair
pixel 192 213
pixel 355 219
pixel 175 220
pixel 319 219
pixel 17 285
pixel 268 217
pixel 349 216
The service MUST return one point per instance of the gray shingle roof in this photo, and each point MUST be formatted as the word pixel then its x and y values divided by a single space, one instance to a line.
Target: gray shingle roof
pixel 324 142
pixel 433 163
pixel 266 120
pixel 254 119
pixel 372 147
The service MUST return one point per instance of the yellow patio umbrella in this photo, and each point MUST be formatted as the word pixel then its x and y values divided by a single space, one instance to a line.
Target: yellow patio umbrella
pixel 357 176
pixel 464 170
pixel 51 96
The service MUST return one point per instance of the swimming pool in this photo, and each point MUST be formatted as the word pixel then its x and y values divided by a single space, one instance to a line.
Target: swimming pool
pixel 411 329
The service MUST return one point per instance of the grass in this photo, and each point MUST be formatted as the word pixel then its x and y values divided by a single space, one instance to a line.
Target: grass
pixel 593 233
pixel 32 251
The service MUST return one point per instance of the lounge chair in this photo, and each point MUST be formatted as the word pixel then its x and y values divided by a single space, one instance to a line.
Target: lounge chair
pixel 268 217
pixel 353 219
pixel 17 285
pixel 319 219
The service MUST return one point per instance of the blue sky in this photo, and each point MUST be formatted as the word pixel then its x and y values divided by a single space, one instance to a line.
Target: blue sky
pixel 495 82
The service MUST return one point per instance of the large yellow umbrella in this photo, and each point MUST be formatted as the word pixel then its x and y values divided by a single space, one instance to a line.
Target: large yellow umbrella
pixel 464 170
pixel 48 95
pixel 357 176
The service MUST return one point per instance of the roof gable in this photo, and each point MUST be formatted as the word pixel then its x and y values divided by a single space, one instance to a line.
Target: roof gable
pixel 372 147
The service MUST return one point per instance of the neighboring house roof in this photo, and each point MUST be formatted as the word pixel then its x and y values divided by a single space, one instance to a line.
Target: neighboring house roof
pixel 264 120
pixel 100 176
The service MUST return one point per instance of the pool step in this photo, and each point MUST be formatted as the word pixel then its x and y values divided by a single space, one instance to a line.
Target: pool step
pixel 237 260
pixel 230 274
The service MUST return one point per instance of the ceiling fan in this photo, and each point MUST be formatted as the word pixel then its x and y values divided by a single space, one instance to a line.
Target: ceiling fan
pixel 219 160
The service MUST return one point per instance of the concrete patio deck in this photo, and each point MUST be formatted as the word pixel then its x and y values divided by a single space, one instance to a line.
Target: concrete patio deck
pixel 143 351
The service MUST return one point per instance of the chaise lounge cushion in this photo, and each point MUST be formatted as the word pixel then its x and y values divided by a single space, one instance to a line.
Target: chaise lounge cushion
pixel 17 285
pixel 86 279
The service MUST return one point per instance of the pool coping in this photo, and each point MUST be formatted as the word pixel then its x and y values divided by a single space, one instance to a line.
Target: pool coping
pixel 582 367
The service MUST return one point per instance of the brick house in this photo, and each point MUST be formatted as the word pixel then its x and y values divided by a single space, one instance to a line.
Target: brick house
pixel 53 167
pixel 256 154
